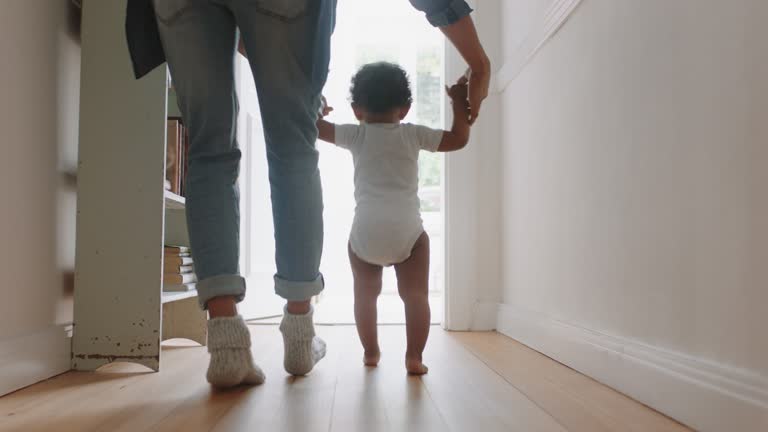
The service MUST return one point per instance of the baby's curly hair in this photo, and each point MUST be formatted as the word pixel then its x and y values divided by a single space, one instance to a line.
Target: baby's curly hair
pixel 380 87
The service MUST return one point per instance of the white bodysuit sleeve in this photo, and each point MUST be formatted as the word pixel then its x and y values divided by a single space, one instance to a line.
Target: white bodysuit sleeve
pixel 346 135
pixel 426 138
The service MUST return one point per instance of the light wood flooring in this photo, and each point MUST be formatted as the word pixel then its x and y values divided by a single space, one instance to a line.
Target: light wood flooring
pixel 478 382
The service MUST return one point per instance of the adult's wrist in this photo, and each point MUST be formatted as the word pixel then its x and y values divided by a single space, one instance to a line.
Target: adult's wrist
pixel 480 65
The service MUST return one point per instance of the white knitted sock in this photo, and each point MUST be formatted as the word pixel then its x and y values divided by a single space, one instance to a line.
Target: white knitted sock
pixel 302 348
pixel 229 343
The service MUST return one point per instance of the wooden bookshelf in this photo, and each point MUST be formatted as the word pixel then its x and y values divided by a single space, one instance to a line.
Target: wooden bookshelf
pixel 173 296
pixel 125 215
pixel 174 201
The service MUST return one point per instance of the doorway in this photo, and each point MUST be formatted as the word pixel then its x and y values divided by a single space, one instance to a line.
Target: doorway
pixel 366 31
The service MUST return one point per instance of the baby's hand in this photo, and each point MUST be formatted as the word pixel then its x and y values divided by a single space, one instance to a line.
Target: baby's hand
pixel 459 91
pixel 324 108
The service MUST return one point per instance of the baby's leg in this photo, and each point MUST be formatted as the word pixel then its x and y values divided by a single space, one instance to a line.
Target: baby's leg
pixel 413 285
pixel 367 289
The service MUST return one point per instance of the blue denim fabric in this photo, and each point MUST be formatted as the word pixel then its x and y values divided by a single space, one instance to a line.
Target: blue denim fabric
pixel 441 13
pixel 147 52
pixel 288 45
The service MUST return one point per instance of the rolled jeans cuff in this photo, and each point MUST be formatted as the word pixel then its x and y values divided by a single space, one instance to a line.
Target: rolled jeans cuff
pixel 218 286
pixel 298 291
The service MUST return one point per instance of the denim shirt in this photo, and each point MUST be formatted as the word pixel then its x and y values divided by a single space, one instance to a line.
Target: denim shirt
pixel 146 48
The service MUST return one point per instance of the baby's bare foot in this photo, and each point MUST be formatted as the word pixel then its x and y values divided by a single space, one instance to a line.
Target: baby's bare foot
pixel 414 366
pixel 372 359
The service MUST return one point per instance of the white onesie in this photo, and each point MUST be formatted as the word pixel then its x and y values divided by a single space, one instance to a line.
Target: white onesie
pixel 387 219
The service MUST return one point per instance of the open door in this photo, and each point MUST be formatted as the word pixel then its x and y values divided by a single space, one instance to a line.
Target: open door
pixel 362 35
pixel 257 243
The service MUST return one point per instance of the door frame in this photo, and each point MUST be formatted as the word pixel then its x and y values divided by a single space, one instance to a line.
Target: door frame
pixel 472 282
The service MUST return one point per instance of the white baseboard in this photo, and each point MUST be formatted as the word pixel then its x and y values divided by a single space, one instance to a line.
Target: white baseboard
pixel 700 394
pixel 484 316
pixel 32 358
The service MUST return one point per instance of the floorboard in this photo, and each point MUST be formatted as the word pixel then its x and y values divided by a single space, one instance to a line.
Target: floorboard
pixel 477 382
pixel 571 398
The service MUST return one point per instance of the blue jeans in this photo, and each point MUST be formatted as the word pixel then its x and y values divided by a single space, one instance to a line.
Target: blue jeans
pixel 288 45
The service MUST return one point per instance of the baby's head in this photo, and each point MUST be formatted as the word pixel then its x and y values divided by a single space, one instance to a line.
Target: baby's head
pixel 380 93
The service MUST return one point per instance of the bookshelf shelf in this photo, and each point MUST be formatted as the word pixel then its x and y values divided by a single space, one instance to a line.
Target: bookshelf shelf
pixel 174 201
pixel 169 296
pixel 121 311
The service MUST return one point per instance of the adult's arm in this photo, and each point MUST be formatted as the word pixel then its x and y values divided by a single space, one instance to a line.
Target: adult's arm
pixel 454 20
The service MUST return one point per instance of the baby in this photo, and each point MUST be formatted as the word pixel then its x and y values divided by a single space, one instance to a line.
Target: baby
pixel 387 228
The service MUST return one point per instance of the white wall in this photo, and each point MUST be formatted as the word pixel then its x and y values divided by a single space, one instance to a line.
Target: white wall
pixel 635 171
pixel 486 143
pixel 39 82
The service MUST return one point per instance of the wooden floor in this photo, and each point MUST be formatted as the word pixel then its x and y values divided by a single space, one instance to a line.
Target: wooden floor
pixel 478 382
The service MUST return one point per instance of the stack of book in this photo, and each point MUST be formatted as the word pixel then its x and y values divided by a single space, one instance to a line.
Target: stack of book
pixel 178 269
pixel 176 153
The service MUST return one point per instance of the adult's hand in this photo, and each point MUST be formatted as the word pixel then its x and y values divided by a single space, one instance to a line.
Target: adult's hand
pixel 478 81
pixel 463 35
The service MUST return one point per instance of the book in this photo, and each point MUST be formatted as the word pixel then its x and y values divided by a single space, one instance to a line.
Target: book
pixel 175 261
pixel 179 287
pixel 173 268
pixel 176 250
pixel 172 150
pixel 185 159
pixel 175 279
pixel 179 254
pixel 182 172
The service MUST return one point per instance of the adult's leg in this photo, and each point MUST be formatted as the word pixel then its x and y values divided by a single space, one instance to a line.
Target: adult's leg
pixel 281 38
pixel 367 289
pixel 199 42
pixel 413 286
